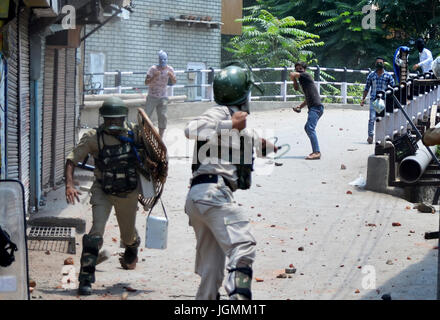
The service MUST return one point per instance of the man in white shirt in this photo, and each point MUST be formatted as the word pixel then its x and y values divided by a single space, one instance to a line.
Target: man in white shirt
pixel 425 56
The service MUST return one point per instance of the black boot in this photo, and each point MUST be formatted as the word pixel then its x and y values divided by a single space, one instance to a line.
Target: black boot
pixel 89 256
pixel 85 288
pixel 243 280
pixel 129 259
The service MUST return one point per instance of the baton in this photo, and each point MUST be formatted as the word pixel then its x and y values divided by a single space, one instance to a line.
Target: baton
pixel 84 166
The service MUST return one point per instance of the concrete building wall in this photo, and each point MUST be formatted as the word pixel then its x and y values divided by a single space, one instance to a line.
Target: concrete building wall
pixel 132 44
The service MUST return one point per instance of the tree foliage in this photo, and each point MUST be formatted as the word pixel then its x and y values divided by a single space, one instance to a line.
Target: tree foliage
pixel 339 25
pixel 268 41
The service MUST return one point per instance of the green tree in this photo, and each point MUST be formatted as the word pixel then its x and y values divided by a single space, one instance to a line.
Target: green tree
pixel 339 24
pixel 407 20
pixel 348 43
pixel 413 17
pixel 267 41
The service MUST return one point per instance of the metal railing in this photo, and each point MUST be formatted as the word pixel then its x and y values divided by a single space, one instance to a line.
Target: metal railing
pixel 205 88
pixel 416 99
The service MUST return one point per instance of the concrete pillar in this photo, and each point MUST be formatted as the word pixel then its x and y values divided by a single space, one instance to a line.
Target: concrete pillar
pixel 377 176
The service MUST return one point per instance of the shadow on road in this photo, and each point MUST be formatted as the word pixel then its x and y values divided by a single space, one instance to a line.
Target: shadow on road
pixel 116 290
pixel 417 282
pixel 291 157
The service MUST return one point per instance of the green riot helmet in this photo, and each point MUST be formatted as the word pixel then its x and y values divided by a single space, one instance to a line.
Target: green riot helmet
pixel 114 109
pixel 232 86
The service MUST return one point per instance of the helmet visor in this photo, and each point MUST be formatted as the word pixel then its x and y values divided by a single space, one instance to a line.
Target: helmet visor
pixel 114 124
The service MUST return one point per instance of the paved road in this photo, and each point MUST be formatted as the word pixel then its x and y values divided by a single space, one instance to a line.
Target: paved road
pixel 298 204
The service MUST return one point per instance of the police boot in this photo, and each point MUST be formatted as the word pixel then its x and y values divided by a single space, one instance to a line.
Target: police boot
pixel 242 283
pixel 129 259
pixel 89 257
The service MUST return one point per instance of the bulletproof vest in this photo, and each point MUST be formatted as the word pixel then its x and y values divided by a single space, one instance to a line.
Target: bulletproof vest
pixel 244 171
pixel 118 165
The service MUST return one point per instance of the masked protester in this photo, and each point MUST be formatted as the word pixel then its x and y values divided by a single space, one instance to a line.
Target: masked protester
pixel 158 77
pixel 378 81
pixel 425 56
pixel 116 152
pixel 223 160
pixel 313 101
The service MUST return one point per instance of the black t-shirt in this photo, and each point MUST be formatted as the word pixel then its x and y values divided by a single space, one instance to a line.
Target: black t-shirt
pixel 310 90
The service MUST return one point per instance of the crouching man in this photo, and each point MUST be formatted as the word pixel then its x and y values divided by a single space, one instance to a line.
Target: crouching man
pixel 114 147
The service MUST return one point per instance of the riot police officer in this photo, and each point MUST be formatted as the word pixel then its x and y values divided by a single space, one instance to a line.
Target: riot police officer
pixel 221 227
pixel 115 150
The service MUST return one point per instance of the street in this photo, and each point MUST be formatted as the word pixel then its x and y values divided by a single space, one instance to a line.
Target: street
pixel 340 238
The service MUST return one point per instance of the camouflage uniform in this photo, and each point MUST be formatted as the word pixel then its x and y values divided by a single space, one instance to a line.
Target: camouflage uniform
pixel 125 205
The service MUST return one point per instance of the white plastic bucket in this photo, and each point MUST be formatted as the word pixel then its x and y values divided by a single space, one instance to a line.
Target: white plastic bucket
pixel 156 234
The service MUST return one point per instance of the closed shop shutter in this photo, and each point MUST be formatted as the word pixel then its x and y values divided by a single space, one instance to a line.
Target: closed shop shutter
pixel 70 100
pixel 48 102
pixel 12 132
pixel 58 137
pixel 18 103
pixel 59 116
pixel 24 110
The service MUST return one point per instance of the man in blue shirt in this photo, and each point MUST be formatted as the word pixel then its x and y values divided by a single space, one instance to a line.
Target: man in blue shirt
pixel 378 81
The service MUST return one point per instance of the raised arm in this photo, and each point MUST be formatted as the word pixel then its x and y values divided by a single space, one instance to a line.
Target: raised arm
pixel 172 75
pixel 151 74
pixel 294 76
pixel 208 124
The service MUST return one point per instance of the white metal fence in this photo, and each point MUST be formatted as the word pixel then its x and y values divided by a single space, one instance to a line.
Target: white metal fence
pixel 416 100
pixel 282 85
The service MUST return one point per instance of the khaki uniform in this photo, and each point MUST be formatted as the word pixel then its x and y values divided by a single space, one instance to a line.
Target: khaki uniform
pixel 431 137
pixel 221 227
pixel 125 205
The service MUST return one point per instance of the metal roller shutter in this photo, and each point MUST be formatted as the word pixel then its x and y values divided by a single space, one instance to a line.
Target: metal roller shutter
pixel 12 133
pixel 46 139
pixel 58 137
pixel 24 109
pixel 59 116
pixel 70 101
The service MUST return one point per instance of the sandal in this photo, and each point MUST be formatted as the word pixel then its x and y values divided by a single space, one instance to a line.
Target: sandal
pixel 314 156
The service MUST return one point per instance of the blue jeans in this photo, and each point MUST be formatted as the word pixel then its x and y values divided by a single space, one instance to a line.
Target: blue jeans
pixel 372 119
pixel 314 114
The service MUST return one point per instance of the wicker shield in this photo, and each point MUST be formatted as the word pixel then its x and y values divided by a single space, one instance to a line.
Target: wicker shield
pixel 155 159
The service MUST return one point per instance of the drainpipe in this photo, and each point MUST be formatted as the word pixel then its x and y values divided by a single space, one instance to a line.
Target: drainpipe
pixel 4 158
pixel 35 186
pixel 35 141
pixel 6 119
